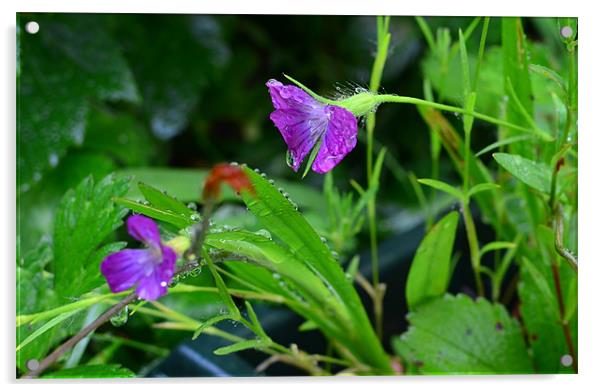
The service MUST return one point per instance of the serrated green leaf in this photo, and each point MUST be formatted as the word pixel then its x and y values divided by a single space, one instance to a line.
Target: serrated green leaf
pixel 84 218
pixel 534 174
pixel 431 268
pixel 442 186
pixel 92 371
pixel 456 335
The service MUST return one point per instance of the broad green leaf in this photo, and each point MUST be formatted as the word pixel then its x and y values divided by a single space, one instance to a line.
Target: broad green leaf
pixel 275 212
pixel 534 174
pixel 481 188
pixel 239 346
pixel 442 186
pixel 69 61
pixel 85 217
pixel 456 335
pixel 552 75
pixel 431 268
pixel 92 371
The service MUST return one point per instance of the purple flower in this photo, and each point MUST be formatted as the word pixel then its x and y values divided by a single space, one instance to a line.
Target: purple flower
pixel 303 122
pixel 150 269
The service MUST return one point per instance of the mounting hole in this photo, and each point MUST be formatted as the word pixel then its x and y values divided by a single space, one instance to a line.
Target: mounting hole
pixel 33 364
pixel 32 27
pixel 566 360
pixel 566 31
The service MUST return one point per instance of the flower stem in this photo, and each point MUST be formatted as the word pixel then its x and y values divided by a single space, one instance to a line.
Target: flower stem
pixel 383 37
pixel 473 246
pixel 390 98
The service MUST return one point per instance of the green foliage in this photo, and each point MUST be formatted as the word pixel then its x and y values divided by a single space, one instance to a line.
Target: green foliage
pixel 458 335
pixel 540 308
pixel 431 268
pixel 71 61
pixel 202 100
pixel 34 293
pixel 534 174
pixel 276 212
pixel 85 217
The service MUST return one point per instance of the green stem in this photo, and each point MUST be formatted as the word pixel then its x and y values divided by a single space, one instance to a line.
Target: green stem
pixel 383 37
pixel 473 245
pixel 390 98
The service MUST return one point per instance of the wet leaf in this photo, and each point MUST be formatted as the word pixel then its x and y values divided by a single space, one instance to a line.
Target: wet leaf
pixel 455 334
pixel 431 267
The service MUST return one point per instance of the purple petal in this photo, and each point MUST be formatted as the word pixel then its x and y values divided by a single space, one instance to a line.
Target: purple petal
pixel 291 98
pixel 301 120
pixel 339 140
pixel 123 269
pixel 154 284
pixel 145 230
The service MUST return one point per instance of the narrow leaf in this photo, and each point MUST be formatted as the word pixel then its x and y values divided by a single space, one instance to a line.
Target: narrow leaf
pixel 442 186
pixel 431 267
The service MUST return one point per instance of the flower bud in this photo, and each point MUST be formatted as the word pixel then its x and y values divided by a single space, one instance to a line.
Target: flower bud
pixel 360 104
pixel 179 244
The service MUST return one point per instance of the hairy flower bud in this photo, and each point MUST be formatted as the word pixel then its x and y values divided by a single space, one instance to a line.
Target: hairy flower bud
pixel 360 104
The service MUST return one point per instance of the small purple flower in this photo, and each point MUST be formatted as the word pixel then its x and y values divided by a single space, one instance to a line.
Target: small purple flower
pixel 303 121
pixel 150 269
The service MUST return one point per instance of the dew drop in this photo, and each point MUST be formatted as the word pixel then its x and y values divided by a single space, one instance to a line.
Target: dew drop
pixel 53 159
pixel 120 318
